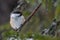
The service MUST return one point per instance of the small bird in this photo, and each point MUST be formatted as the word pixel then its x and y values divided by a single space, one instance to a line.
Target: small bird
pixel 16 19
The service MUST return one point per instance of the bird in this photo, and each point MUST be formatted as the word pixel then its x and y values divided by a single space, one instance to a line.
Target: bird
pixel 16 19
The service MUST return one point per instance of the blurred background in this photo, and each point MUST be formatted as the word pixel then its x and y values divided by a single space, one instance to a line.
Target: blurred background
pixel 49 10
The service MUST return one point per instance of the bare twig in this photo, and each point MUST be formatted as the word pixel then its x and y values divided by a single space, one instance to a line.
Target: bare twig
pixel 30 16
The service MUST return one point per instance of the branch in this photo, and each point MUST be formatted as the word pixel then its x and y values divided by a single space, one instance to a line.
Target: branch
pixel 30 16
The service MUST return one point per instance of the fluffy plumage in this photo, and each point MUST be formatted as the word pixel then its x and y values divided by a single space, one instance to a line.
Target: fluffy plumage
pixel 16 20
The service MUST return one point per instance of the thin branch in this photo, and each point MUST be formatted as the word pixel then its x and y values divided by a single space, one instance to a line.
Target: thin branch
pixel 30 16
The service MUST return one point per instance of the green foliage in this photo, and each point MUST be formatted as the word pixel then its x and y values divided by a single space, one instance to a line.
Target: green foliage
pixel 57 13
pixel 37 36
pixel 26 13
pixel 30 1
pixel 33 25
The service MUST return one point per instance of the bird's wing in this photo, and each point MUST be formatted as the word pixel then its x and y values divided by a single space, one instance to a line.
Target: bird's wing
pixel 23 19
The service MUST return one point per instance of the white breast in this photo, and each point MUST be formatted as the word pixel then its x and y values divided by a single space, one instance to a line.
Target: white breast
pixel 16 22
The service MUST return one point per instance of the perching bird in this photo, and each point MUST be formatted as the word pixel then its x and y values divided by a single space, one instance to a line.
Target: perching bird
pixel 16 19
